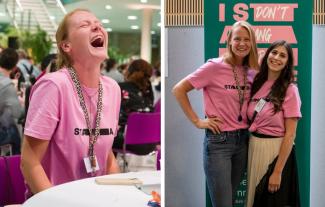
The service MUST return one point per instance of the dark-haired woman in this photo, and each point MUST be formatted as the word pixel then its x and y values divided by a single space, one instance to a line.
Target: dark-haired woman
pixel 274 111
pixel 136 96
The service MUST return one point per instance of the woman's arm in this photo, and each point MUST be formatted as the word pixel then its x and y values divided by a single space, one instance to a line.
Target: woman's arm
pixel 112 166
pixel 180 91
pixel 32 153
pixel 285 150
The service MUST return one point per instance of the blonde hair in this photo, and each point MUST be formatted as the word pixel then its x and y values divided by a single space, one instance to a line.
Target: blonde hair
pixel 251 59
pixel 61 35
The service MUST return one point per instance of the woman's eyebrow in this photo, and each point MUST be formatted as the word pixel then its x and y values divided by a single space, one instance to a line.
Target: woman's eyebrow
pixel 84 21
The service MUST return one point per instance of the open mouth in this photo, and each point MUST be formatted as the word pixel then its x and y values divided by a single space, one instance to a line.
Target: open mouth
pixel 275 63
pixel 241 49
pixel 97 42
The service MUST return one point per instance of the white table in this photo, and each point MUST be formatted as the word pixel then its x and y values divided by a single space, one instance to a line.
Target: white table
pixel 86 193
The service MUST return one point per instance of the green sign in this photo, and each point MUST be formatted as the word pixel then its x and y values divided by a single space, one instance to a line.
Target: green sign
pixel 290 20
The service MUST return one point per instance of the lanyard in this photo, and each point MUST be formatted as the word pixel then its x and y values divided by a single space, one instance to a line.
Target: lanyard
pixel 241 92
pixel 92 136
pixel 259 106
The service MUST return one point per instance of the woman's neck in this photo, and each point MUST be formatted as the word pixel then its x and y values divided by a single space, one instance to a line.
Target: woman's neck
pixel 272 75
pixel 238 61
pixel 5 72
pixel 233 61
pixel 88 74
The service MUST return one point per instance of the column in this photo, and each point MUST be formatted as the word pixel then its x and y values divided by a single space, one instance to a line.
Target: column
pixel 146 34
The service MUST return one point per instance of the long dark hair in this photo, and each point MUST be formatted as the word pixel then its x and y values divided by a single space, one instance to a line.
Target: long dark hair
pixel 139 72
pixel 280 86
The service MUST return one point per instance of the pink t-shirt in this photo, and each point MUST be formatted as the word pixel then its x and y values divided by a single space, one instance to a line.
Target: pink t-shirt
pixel 55 114
pixel 220 94
pixel 266 122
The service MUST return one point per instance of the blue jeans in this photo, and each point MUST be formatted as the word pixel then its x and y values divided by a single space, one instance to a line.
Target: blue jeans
pixel 225 160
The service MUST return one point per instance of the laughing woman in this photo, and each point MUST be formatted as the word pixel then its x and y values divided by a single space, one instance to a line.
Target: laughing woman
pixel 274 111
pixel 73 113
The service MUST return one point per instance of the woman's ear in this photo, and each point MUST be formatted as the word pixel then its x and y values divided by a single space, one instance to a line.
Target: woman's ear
pixel 65 46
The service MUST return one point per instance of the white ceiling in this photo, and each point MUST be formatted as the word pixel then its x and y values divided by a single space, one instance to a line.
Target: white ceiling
pixel 121 9
pixel 117 16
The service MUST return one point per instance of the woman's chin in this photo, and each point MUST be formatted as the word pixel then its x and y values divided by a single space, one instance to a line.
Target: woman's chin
pixel 99 55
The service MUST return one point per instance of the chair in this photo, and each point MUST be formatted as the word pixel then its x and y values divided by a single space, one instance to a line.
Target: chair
pixel 12 186
pixel 158 159
pixel 141 128
pixel 157 106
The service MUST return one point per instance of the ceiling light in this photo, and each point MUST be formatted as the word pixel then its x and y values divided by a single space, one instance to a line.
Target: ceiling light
pixel 144 1
pixel 132 17
pixel 105 21
pixel 51 17
pixel 109 29
pixel 134 27
pixel 2 14
pixel 108 7
pixel 159 24
pixel 153 32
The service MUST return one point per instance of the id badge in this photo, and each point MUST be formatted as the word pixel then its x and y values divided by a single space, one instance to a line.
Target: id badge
pixel 88 165
pixel 260 104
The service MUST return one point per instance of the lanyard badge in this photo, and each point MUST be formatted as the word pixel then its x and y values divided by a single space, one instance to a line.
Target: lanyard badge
pixel 260 104
pixel 91 163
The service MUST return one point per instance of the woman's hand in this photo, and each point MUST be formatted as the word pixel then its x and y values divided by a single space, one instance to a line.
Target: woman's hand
pixel 212 123
pixel 274 182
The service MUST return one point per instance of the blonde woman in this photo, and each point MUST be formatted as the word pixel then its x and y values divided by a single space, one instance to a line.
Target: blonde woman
pixel 226 83
pixel 73 113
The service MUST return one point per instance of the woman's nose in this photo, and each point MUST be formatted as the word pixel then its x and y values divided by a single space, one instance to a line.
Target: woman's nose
pixel 277 56
pixel 95 27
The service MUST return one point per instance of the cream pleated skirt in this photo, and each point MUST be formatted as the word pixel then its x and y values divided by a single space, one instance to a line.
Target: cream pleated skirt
pixel 261 153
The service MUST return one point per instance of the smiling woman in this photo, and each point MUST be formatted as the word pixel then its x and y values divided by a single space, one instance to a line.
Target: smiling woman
pixel 272 164
pixel 75 98
pixel 226 82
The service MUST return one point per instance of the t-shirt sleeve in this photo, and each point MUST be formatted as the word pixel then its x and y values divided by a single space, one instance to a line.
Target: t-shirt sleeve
pixel 202 76
pixel 43 111
pixel 292 103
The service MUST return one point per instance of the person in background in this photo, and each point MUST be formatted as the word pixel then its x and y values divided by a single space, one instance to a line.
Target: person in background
pixel 73 113
pixel 111 70
pixel 123 68
pixel 137 96
pixel 27 69
pixel 274 111
pixel 226 83
pixel 10 107
pixel 47 65
pixel 156 82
